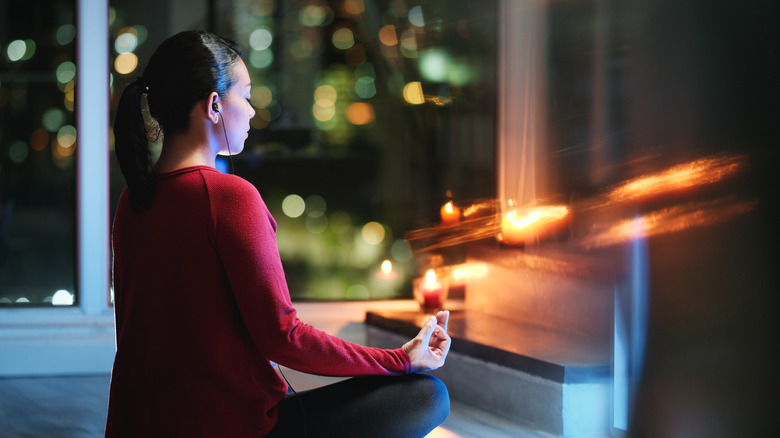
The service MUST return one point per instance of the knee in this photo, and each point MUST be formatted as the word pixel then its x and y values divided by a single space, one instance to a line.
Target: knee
pixel 431 395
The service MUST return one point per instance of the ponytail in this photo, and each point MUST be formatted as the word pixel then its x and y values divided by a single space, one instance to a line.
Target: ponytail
pixel 132 147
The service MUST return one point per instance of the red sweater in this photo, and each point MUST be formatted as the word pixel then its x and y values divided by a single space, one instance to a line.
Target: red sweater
pixel 202 306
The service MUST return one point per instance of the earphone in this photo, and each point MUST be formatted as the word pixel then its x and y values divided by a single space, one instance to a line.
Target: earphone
pixel 215 107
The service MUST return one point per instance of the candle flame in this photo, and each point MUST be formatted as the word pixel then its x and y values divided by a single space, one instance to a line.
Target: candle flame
pixel 387 267
pixel 448 207
pixel 536 215
pixel 430 277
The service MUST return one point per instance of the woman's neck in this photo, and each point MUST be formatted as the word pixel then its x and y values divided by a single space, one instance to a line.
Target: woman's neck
pixel 184 150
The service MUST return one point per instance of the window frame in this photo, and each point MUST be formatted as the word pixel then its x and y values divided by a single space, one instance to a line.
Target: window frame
pixel 76 339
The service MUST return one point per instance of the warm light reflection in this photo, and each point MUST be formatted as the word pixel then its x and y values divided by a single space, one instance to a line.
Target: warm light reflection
pixel 125 63
pixel 463 272
pixel 387 35
pixel 667 220
pixel 413 93
pixel 682 176
pixel 360 113
pixel 261 96
pixel 518 226
pixel 354 7
pixel 373 233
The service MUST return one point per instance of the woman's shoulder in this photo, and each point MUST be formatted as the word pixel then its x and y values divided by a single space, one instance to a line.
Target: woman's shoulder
pixel 230 189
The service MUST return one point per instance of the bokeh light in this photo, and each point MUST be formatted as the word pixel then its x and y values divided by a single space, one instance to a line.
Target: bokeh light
pixel 18 151
pixel 413 93
pixel 126 42
pixel 39 139
pixel 53 119
pixel 66 72
pixel 316 225
pixel 343 38
pixel 29 51
pixel 261 58
pixel 15 50
pixel 365 88
pixel 293 206
pixel 261 39
pixel 325 93
pixel 409 43
pixel 434 65
pixel 65 34
pixel 315 15
pixel 387 35
pixel 316 206
pixel 66 136
pixel 416 16
pixel 261 96
pixel 373 233
pixel 323 113
pixel 401 251
pixel 125 63
pixel 360 113
pixel 354 7
pixel 62 298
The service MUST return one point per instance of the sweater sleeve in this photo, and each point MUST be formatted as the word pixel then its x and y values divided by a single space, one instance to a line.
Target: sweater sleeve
pixel 244 234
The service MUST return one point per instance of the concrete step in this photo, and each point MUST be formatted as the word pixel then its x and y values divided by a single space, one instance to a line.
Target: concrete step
pixel 548 379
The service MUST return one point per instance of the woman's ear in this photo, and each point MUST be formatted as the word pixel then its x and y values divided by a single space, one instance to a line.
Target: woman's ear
pixel 213 106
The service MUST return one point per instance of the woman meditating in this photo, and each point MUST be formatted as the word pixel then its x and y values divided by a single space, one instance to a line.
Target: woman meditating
pixel 202 306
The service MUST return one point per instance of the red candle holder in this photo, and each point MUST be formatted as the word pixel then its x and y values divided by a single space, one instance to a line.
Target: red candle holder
pixel 430 292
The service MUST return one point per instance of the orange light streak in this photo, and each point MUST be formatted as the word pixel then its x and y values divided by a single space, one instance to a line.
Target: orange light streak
pixel 682 176
pixel 668 220
pixel 520 225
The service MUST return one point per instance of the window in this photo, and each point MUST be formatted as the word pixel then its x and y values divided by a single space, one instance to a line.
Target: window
pixel 37 155
pixel 370 116
pixel 78 338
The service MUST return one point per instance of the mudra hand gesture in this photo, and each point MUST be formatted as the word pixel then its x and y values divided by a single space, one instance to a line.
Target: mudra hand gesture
pixel 428 350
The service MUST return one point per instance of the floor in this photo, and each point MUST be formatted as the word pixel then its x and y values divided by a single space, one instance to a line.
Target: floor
pixel 75 406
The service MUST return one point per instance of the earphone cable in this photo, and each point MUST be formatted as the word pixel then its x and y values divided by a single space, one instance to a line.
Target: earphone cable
pixel 298 397
pixel 230 154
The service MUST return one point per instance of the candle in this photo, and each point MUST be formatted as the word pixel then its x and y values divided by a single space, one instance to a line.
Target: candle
pixel 430 292
pixel 386 271
pixel 518 226
pixel 450 214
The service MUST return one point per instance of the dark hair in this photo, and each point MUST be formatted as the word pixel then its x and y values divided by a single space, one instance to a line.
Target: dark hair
pixel 184 69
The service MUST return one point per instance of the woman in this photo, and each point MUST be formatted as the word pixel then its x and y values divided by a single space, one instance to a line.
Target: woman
pixel 202 306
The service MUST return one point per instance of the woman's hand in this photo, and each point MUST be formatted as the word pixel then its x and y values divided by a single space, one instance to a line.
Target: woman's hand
pixel 429 348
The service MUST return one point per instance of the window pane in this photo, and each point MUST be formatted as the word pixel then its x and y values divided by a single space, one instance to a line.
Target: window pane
pixel 370 116
pixel 37 159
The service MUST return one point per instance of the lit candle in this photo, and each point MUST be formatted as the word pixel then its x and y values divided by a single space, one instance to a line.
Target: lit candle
pixel 450 214
pixel 518 226
pixel 386 271
pixel 430 292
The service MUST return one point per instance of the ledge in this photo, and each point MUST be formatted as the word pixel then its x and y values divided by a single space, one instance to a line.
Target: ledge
pixel 55 341
pixel 540 351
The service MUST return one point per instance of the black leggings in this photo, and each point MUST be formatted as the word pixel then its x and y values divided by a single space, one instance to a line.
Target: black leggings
pixel 372 406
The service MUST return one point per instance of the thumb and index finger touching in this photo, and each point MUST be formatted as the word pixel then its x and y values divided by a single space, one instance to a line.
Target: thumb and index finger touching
pixel 429 327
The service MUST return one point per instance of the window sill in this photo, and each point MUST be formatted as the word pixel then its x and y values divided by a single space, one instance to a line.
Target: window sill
pixel 55 341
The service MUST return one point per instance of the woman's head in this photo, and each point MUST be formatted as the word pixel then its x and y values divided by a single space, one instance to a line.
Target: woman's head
pixel 184 70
